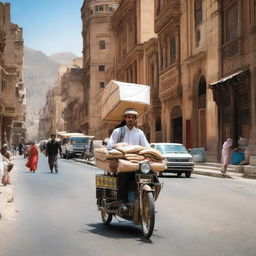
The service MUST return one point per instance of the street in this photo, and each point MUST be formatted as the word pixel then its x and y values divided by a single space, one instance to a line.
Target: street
pixel 57 215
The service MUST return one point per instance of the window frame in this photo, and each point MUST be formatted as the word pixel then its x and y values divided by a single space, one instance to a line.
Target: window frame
pixel 101 68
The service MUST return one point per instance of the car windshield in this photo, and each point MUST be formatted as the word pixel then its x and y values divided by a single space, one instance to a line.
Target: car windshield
pixel 79 140
pixel 169 148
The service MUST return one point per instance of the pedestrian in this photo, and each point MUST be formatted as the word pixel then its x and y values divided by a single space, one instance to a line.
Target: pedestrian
pixel 32 157
pixel 5 152
pixel 20 148
pixel 52 150
pixel 128 133
pixel 226 155
pixel 5 164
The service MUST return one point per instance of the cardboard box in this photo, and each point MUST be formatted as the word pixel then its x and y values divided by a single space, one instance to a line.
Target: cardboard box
pixel 119 96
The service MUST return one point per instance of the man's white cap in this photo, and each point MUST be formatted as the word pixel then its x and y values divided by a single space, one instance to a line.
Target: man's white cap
pixel 130 111
pixel 5 145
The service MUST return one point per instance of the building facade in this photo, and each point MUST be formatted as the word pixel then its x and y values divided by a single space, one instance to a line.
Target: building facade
pixel 207 72
pixel 12 89
pixel 64 102
pixel 98 60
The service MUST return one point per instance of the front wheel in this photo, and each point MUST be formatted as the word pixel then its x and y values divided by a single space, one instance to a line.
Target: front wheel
pixel 188 174
pixel 148 215
pixel 106 218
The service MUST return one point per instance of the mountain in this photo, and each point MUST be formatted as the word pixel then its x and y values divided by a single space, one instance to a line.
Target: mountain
pixel 63 57
pixel 40 74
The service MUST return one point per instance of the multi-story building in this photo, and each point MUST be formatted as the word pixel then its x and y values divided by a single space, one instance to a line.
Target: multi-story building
pixel 136 56
pixel 207 72
pixel 72 96
pixel 12 90
pixel 62 111
pixel 167 27
pixel 98 60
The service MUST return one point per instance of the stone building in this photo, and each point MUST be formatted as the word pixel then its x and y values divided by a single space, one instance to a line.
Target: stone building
pixel 136 56
pixel 72 96
pixel 207 72
pixel 98 60
pixel 62 111
pixel 12 90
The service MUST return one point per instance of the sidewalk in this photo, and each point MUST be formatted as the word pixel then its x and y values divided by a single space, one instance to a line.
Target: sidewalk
pixel 7 208
pixel 207 168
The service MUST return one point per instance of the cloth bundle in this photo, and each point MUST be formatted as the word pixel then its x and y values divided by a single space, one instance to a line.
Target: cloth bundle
pixel 127 158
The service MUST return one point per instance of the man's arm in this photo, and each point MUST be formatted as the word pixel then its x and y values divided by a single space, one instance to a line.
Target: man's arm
pixel 113 139
pixel 143 140
pixel 59 148
pixel 47 149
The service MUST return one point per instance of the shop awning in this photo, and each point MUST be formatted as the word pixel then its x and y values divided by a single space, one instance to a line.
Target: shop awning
pixel 227 78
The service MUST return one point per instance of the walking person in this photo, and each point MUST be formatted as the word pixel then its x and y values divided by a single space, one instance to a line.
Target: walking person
pixel 226 155
pixel 5 164
pixel 52 150
pixel 32 157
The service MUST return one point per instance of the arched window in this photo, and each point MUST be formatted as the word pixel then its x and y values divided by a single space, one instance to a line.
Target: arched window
pixel 102 44
pixel 158 124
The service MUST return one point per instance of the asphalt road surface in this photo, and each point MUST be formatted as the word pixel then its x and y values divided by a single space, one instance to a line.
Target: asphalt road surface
pixel 57 216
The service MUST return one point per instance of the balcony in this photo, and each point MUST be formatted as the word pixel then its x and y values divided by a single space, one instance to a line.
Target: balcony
pixel 169 13
pixel 169 84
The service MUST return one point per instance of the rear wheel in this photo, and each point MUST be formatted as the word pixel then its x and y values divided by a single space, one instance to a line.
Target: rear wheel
pixel 188 174
pixel 106 218
pixel 148 215
pixel 179 174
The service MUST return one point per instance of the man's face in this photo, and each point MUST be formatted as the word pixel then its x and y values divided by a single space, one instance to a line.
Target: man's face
pixel 53 137
pixel 130 120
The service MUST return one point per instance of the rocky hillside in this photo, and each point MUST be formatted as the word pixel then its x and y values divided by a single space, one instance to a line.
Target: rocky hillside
pixel 40 73
pixel 63 57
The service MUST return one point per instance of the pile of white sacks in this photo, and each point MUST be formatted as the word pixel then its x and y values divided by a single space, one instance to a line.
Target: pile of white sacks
pixel 124 158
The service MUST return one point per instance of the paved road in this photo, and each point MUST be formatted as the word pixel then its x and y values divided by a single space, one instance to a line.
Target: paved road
pixel 57 215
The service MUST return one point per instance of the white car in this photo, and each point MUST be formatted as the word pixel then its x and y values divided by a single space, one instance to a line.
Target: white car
pixel 177 158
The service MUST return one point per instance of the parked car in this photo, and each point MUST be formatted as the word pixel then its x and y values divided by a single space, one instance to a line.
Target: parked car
pixel 177 158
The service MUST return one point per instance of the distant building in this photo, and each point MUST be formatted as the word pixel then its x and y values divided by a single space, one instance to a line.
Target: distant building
pixel 62 111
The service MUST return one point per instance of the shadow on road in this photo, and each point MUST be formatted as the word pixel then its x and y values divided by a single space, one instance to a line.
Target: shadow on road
pixel 170 176
pixel 120 230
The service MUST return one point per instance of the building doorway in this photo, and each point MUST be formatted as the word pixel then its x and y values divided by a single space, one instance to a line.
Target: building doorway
pixel 176 125
pixel 201 112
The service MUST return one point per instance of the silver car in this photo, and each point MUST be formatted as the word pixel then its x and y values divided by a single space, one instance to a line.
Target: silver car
pixel 177 158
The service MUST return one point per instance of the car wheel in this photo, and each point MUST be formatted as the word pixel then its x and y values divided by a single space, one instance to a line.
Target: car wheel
pixel 188 174
pixel 179 174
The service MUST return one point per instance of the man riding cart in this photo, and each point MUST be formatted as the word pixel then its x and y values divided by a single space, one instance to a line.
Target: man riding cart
pixel 130 186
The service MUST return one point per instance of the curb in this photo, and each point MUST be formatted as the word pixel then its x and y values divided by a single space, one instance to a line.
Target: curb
pixel 212 174
pixel 84 161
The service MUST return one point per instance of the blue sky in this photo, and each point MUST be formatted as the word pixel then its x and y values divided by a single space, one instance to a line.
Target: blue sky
pixel 50 26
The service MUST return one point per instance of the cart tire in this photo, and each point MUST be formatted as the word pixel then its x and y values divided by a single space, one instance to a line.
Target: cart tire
pixel 106 218
pixel 148 215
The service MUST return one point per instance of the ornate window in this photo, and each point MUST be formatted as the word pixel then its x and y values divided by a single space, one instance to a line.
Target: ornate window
pixel 230 30
pixel 172 50
pixel 99 8
pixel 101 68
pixel 102 44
